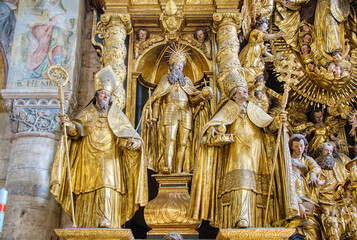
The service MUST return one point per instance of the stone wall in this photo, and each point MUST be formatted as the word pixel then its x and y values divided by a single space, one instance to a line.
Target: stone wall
pixel 90 64
pixel 5 146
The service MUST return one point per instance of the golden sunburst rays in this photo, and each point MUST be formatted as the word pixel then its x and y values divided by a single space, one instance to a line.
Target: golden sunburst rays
pixel 309 92
pixel 177 53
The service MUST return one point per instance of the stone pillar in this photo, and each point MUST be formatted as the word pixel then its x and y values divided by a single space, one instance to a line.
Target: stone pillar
pixel 31 211
pixel 226 26
pixel 113 29
pixel 33 105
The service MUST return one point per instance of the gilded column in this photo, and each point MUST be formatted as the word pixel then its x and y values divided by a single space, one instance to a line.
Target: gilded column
pixel 226 26
pixel 113 29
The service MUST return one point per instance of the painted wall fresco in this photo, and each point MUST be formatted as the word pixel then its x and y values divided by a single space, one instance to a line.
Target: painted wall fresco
pixel 45 35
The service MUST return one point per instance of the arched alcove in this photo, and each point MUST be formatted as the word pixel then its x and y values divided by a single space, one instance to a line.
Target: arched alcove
pixel 153 63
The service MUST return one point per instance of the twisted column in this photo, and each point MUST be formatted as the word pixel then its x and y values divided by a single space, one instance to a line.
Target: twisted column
pixel 226 27
pixel 113 29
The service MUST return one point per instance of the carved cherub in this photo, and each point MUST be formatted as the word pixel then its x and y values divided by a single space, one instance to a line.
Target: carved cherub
pixel 331 224
pixel 201 36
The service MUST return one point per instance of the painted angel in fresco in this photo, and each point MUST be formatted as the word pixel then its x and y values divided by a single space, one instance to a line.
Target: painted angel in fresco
pixel 47 38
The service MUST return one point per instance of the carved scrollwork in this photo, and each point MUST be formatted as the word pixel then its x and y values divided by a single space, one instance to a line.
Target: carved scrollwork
pixel 113 29
pixel 226 26
pixel 141 46
pixel 34 120
pixel 171 19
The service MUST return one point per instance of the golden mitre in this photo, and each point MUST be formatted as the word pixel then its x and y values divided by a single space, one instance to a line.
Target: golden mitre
pixel 232 81
pixel 177 54
pixel 105 79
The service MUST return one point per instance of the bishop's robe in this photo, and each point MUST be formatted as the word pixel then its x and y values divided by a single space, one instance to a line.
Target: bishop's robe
pixel 109 181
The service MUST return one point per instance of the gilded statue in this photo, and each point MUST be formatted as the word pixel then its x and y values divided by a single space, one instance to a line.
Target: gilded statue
pixel 251 56
pixel 306 172
pixel 201 36
pixel 287 18
pixel 170 118
pixel 319 132
pixel 331 224
pixel 144 40
pixel 335 175
pixel 330 16
pixel 352 210
pixel 230 182
pixel 258 95
pixel 201 40
pixel 141 37
pixel 108 170
pixel 306 177
pixel 252 10
pixel 323 40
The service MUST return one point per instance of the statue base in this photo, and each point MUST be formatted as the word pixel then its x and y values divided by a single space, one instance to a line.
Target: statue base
pixel 255 233
pixel 168 211
pixel 94 233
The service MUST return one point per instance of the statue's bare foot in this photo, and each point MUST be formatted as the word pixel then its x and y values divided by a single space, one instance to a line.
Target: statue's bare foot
pixel 104 224
pixel 166 170
pixel 242 224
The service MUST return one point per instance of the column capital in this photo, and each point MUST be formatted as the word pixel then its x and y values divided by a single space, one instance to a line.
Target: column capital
pixel 221 19
pixel 35 112
pixel 109 20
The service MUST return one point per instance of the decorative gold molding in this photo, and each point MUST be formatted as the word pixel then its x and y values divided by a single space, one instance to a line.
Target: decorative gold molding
pixel 168 211
pixel 94 234
pixel 171 19
pixel 255 233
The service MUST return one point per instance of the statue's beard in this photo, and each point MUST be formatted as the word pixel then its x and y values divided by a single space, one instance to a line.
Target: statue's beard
pixel 326 162
pixel 176 75
pixel 103 105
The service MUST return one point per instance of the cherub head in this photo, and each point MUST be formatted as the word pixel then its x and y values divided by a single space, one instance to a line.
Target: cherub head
pixel 318 116
pixel 305 49
pixel 305 28
pixel 261 24
pixel 311 66
pixel 200 35
pixel 307 38
pixel 142 35
pixel 338 71
pixel 317 69
pixel 336 57
pixel 330 66
pixel 259 81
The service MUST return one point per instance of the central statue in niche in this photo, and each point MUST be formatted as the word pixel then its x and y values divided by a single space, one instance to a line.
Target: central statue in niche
pixel 171 116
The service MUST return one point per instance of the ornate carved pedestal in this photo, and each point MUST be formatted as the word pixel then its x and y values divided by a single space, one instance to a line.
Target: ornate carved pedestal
pixel 94 233
pixel 255 233
pixel 167 212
